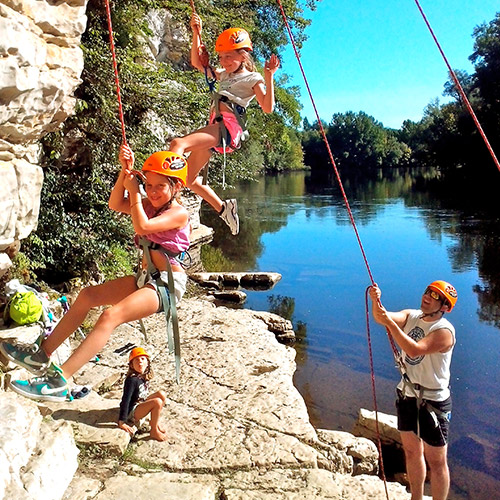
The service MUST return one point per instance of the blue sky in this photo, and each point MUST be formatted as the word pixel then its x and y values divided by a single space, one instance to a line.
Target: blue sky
pixel 378 56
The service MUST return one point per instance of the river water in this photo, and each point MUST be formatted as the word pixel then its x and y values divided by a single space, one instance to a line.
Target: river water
pixel 412 235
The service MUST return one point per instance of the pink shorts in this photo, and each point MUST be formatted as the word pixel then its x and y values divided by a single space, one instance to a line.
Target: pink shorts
pixel 233 129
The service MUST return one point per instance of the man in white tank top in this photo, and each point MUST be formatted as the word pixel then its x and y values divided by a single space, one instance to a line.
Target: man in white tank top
pixel 426 341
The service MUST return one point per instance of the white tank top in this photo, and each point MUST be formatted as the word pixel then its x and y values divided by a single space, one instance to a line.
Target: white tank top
pixel 431 371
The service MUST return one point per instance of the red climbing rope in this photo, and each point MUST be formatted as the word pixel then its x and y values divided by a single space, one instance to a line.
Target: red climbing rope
pixel 115 67
pixel 460 89
pixel 353 223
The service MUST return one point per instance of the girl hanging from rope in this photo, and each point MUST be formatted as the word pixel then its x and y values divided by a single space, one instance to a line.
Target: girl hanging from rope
pixel 160 220
pixel 239 83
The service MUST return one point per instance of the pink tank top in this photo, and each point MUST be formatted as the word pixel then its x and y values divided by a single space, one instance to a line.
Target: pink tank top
pixel 173 240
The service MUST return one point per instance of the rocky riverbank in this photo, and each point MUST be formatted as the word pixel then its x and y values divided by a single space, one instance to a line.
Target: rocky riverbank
pixel 237 426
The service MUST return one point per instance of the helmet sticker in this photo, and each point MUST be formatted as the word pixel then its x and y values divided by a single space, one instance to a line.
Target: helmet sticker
pixel 173 163
pixel 451 291
pixel 238 37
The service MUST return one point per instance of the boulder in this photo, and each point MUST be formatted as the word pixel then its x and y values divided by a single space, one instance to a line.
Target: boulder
pixel 249 281
pixel 40 454
pixel 366 426
pixel 234 296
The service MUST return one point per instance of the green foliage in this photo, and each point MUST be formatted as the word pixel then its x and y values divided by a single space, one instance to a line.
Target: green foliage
pixel 119 262
pixel 213 260
pixel 22 269
pixel 357 141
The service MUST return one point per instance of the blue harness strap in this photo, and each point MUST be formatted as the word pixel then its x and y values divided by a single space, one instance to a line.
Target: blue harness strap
pixel 168 303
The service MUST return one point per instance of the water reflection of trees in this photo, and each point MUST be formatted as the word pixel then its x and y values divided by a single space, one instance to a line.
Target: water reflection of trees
pixel 260 212
pixel 466 213
pixel 471 218
pixel 284 306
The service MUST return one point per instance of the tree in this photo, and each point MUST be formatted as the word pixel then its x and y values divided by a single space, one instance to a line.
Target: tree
pixel 357 141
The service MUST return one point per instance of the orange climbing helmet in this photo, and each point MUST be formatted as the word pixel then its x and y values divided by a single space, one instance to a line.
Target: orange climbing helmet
pixel 136 352
pixel 233 39
pixel 167 163
pixel 447 290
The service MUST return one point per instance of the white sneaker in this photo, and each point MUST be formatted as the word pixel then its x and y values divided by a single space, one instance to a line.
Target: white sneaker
pixel 230 215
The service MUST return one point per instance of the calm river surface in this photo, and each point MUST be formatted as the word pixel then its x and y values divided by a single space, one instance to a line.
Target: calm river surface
pixel 411 237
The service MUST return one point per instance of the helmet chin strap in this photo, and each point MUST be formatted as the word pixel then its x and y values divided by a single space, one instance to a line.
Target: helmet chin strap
pixel 426 315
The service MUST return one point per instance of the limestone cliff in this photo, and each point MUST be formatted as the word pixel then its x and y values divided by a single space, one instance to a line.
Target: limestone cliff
pixel 40 66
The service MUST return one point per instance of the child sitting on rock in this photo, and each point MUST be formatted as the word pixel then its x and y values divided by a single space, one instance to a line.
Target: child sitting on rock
pixel 136 404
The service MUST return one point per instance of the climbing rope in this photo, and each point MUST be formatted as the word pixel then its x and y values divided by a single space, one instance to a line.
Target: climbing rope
pixel 115 67
pixel 460 89
pixel 353 223
pixel 205 58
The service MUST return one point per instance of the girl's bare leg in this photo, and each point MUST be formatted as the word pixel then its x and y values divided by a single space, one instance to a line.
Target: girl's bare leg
pixel 163 396
pixel 153 405
pixel 199 143
pixel 139 304
pixel 108 293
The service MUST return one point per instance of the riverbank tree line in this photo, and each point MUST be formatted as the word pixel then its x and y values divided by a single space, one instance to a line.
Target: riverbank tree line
pixel 445 138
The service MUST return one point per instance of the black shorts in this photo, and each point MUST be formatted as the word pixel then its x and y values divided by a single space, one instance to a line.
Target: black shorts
pixel 434 418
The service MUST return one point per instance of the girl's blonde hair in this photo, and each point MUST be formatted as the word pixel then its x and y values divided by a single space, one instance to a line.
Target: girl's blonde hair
pixel 147 375
pixel 248 62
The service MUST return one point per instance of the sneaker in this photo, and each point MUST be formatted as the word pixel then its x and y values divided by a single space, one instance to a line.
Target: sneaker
pixel 51 387
pixel 29 356
pixel 229 215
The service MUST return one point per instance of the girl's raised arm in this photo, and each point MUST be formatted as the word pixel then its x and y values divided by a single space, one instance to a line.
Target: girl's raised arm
pixel 196 45
pixel 265 96
pixel 117 200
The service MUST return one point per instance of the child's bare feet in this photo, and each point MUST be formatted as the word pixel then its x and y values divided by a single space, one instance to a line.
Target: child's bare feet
pixel 158 435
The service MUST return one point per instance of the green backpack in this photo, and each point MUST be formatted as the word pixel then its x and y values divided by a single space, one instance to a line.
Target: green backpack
pixel 23 308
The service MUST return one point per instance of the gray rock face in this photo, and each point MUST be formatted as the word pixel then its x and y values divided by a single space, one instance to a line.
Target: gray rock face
pixel 40 66
pixel 168 40
pixel 32 450
pixel 238 428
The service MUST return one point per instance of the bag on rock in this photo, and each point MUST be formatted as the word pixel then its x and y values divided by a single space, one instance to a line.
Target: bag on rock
pixel 23 308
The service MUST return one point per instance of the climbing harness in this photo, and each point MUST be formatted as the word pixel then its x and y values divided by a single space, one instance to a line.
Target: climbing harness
pixel 460 89
pixel 421 403
pixel 226 143
pixel 166 292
